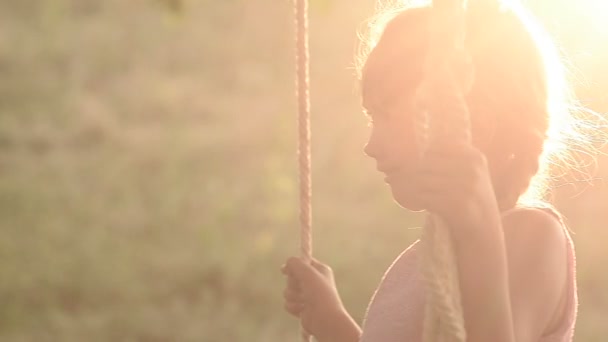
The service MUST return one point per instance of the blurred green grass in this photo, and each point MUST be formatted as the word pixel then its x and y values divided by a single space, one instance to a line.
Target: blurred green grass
pixel 147 173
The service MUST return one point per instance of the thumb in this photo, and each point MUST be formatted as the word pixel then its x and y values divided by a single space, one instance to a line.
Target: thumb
pixel 321 267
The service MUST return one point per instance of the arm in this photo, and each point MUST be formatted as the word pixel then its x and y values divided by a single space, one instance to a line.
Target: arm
pixel 344 329
pixel 512 277
pixel 511 270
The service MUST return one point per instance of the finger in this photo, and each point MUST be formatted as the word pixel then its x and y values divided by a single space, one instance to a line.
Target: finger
pixel 442 166
pixel 287 267
pixel 300 270
pixel 467 156
pixel 452 147
pixel 447 179
pixel 441 183
pixel 292 282
pixel 291 295
pixel 321 267
pixel 293 308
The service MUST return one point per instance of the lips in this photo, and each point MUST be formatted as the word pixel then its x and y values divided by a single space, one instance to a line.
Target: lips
pixel 386 169
pixel 389 170
pixel 389 173
pixel 402 170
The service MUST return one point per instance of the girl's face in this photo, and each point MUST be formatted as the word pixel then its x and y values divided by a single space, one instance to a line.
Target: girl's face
pixel 390 76
pixel 392 144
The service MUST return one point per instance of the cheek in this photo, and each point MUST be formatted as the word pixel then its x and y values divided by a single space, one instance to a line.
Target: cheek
pixel 403 143
pixel 392 139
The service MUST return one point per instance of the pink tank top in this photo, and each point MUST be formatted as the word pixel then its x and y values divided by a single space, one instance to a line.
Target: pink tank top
pixel 395 311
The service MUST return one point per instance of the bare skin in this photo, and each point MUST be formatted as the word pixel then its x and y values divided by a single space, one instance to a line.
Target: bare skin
pixel 512 269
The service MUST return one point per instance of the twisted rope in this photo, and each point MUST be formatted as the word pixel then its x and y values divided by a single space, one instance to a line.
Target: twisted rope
pixel 443 116
pixel 303 97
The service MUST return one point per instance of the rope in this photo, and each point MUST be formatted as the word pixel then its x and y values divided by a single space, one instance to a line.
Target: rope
pixel 303 97
pixel 443 116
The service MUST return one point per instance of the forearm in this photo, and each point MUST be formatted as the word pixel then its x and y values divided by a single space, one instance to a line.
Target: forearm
pixel 342 329
pixel 484 286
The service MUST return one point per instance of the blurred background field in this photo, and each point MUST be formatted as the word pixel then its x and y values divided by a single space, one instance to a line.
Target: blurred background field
pixel 148 172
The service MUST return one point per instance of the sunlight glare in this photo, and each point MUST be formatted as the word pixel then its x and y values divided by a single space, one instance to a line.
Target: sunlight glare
pixel 592 15
pixel 596 12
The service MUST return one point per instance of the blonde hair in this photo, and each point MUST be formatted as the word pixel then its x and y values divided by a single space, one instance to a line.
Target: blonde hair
pixel 521 81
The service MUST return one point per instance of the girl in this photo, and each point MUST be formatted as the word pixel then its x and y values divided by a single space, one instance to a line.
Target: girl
pixel 515 258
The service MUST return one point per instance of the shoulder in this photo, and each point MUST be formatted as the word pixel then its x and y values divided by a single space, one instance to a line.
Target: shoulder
pixel 539 230
pixel 536 244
